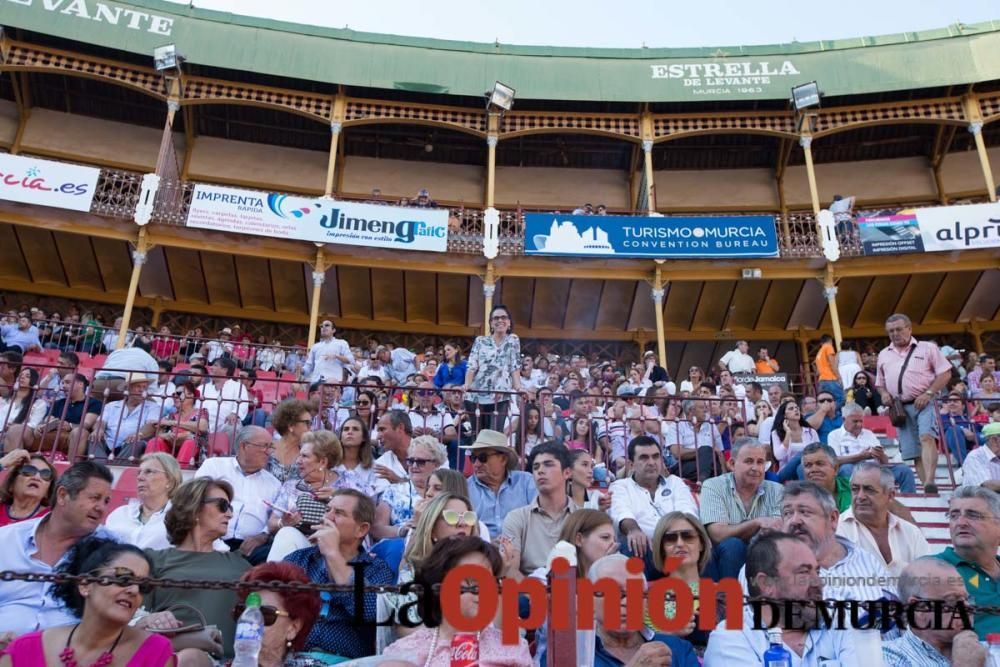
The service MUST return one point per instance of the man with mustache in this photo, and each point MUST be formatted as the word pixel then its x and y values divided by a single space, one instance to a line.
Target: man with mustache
pixel 781 566
pixel 870 525
pixel 819 463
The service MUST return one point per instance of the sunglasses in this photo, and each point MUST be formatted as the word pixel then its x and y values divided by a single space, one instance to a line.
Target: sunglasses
pixel 481 458
pixel 221 504
pixel 362 404
pixel 825 400
pixel 418 462
pixel 679 536
pixel 29 470
pixel 144 589
pixel 425 393
pixel 455 518
pixel 269 613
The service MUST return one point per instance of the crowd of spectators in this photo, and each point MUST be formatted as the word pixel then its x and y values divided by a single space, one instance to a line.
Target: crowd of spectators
pixel 408 463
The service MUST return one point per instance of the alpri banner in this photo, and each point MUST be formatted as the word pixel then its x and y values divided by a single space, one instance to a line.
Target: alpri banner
pixel 31 180
pixel 318 220
pixel 667 237
pixel 933 229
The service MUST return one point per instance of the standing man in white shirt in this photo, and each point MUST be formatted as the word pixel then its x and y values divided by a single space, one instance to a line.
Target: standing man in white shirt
pixel 638 502
pixel 738 360
pixel 224 399
pixel 871 526
pixel 329 358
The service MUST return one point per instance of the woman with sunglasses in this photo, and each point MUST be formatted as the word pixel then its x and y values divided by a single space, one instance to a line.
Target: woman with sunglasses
pixel 493 367
pixel 140 522
pixel 430 646
pixel 199 514
pixel 366 408
pixel 22 407
pixel 447 515
pixel 288 615
pixel 682 536
pixel 103 635
pixel 357 470
pixel 184 434
pixel 29 489
pixel 863 394
pixel 292 419
pixel 301 503
pixel 394 513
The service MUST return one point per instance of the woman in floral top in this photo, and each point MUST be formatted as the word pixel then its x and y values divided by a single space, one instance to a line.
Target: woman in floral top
pixel 493 366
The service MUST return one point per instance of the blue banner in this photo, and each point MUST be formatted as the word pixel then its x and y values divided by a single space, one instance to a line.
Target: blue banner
pixel 658 237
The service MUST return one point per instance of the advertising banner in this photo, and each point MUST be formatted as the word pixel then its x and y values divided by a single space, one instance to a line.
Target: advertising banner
pixel 933 229
pixel 633 236
pixel 960 227
pixel 890 234
pixel 31 180
pixel 780 379
pixel 318 220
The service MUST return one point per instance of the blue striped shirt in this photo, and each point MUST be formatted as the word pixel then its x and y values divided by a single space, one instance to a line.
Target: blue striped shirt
pixel 911 651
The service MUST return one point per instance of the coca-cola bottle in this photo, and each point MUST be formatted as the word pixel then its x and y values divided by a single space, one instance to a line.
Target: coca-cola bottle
pixel 465 649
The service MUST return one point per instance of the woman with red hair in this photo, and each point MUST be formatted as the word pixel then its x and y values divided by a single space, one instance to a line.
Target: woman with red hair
pixel 288 615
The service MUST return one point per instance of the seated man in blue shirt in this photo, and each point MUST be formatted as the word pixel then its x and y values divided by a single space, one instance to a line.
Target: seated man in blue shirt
pixel 610 644
pixel 342 629
pixel 495 487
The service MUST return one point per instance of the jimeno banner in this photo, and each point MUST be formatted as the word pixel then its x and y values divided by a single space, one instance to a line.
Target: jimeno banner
pixel 30 180
pixel 933 229
pixel 318 220
pixel 628 236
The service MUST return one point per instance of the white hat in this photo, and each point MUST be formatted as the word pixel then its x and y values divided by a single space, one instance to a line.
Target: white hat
pixel 687 386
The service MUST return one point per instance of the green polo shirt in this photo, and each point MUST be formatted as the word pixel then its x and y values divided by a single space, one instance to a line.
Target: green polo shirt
pixel 843 493
pixel 983 589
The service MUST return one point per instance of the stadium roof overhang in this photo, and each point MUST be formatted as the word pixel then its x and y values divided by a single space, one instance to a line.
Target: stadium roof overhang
pixel 960 54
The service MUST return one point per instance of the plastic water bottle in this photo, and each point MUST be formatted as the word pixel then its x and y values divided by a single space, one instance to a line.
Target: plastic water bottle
pixel 993 641
pixel 777 655
pixel 249 634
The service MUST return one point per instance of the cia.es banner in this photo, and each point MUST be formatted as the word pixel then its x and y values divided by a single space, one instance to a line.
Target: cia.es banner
pixel 655 236
pixel 317 219
pixel 31 180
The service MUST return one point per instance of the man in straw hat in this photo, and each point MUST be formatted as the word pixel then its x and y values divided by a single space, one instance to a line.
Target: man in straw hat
pixel 496 488
pixel 125 425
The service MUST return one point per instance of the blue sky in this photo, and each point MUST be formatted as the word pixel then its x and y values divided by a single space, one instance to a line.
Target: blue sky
pixel 655 23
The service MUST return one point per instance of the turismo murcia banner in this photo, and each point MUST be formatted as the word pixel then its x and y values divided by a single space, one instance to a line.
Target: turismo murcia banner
pixel 318 220
pixel 634 236
pixel 30 180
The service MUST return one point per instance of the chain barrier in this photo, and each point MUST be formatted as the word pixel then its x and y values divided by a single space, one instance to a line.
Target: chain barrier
pixel 413 588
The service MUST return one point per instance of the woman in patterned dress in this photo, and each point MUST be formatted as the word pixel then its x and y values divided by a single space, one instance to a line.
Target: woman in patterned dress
pixel 493 367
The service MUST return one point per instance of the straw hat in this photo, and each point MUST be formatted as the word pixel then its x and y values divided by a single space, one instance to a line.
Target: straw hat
pixel 494 440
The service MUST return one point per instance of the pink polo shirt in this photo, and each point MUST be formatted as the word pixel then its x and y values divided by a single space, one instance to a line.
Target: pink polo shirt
pixel 926 364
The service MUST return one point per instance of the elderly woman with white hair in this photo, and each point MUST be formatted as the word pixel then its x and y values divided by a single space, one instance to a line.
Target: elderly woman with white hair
pixel 394 515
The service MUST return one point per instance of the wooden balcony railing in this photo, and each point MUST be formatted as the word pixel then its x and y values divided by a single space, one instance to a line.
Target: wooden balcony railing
pixel 118 192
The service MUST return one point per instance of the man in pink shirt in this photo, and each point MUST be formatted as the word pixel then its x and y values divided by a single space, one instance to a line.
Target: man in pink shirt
pixel 927 373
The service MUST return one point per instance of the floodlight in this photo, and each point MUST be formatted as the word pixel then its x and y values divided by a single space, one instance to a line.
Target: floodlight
pixel 167 58
pixel 805 95
pixel 502 96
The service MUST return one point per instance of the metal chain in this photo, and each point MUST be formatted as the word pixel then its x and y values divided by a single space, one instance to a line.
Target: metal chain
pixel 205 584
